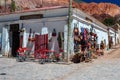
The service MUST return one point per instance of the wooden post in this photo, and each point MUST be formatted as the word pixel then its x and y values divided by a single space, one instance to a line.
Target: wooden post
pixel 69 30
pixel 115 39
pixel 5 6
pixel 109 38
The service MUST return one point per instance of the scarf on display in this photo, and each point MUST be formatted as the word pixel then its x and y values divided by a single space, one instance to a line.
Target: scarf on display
pixel 21 36
pixel 60 39
pixel 21 40
pixel 84 33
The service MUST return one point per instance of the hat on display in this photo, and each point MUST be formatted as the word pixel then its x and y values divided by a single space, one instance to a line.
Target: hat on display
pixel 54 32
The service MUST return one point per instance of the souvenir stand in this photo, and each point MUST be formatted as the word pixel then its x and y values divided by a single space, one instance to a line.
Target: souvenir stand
pixel 85 43
pixel 46 45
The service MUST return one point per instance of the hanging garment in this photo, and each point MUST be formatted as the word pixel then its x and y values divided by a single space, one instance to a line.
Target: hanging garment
pixel 87 30
pixel 21 40
pixel 82 30
pixel 29 42
pixel 76 31
pixel 41 42
pixel 83 42
pixel 46 41
pixel 82 33
pixel 21 35
pixel 54 32
pixel 88 37
pixel 44 31
pixel 0 42
pixel 85 34
pixel 60 39
pixel 76 39
pixel 53 45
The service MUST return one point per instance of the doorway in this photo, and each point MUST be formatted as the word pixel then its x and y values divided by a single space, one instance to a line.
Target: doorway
pixel 15 38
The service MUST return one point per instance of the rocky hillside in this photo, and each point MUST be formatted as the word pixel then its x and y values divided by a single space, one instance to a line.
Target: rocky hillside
pixel 31 4
pixel 101 10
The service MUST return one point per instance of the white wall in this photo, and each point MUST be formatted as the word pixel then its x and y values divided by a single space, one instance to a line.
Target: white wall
pixel 117 38
pixel 102 36
pixel 112 34
pixel 119 34
pixel 71 45
pixel 37 27
pixel 1 28
pixel 5 41
pixel 0 36
pixel 59 26
pixel 0 42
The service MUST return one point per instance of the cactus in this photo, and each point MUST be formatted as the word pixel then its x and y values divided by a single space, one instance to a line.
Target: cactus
pixel 13 6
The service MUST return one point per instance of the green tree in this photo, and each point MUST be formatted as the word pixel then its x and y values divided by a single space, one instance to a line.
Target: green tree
pixel 109 21
pixel 78 1
pixel 13 6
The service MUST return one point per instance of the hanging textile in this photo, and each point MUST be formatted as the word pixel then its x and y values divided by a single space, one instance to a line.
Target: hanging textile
pixel 41 42
pixel 29 43
pixel 21 40
pixel 82 30
pixel 54 32
pixel 60 39
pixel 76 31
pixel 44 31
pixel 53 44
pixel 85 34
pixel 21 35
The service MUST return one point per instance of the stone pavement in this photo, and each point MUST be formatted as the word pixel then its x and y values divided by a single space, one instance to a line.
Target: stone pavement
pixel 103 68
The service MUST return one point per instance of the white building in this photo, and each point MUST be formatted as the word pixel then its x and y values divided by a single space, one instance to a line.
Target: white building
pixel 50 18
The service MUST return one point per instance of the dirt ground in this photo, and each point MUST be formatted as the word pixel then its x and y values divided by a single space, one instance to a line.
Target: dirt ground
pixel 106 67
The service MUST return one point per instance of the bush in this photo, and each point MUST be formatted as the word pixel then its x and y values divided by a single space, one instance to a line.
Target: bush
pixel 109 21
pixel 77 58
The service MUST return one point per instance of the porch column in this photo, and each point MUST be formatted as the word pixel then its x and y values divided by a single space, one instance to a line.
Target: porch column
pixel 69 30
pixel 109 38
pixel 5 41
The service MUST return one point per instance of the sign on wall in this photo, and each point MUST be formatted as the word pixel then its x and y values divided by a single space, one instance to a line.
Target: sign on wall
pixel 34 16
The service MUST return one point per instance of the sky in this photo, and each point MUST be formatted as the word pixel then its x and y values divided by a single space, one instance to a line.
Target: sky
pixel 117 2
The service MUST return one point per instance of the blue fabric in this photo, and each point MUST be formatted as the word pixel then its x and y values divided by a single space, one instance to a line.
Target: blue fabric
pixel 82 30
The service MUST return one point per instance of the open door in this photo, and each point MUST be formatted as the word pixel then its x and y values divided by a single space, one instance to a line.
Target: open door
pixel 15 38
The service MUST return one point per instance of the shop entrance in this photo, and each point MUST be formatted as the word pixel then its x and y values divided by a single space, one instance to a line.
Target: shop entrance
pixel 15 38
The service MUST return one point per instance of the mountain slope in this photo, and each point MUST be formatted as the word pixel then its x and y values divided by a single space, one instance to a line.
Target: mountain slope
pixel 101 10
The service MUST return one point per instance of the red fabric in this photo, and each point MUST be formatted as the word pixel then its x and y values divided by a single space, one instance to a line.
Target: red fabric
pixel 95 35
pixel 41 43
pixel 21 50
pixel 21 41
pixel 57 55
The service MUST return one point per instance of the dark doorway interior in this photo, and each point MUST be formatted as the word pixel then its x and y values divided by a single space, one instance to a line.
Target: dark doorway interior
pixel 15 41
